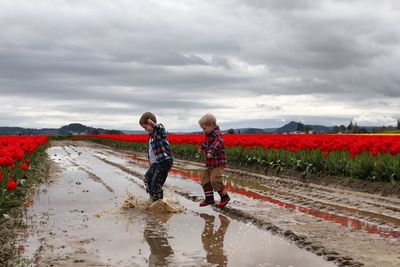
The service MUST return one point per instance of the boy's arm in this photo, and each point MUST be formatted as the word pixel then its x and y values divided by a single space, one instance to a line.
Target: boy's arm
pixel 202 147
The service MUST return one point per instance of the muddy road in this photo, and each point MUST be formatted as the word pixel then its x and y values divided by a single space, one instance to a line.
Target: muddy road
pixel 78 219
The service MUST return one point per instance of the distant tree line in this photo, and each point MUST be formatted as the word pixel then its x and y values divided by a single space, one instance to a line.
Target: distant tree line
pixel 298 127
pixel 354 128
pixel 304 128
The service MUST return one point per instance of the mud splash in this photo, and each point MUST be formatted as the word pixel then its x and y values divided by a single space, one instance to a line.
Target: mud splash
pixel 133 202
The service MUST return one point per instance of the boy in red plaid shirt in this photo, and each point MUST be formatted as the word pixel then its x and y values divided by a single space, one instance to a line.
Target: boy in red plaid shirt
pixel 213 147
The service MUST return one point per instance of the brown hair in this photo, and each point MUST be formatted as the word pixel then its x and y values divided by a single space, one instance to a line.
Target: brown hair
pixel 208 120
pixel 146 116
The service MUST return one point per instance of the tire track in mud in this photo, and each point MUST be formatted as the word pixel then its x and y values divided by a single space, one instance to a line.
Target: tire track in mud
pixel 322 191
pixel 97 179
pixel 382 211
pixel 288 183
pixel 300 241
pixel 313 192
pixel 375 219
pixel 381 219
pixel 90 174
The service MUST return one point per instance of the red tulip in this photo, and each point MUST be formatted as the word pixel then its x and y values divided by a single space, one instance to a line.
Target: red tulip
pixel 24 167
pixel 11 185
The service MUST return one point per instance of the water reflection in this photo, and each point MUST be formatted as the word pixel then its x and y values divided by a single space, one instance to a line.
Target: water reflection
pixel 213 241
pixel 155 234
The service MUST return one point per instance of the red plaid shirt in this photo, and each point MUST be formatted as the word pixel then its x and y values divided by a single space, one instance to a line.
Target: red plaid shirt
pixel 214 145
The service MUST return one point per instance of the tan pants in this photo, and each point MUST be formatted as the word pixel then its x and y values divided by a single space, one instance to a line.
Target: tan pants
pixel 214 177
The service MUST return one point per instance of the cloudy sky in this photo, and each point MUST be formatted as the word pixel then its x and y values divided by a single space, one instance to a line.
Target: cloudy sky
pixel 253 63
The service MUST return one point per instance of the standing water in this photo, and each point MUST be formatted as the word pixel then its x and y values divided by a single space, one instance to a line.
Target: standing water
pixel 79 220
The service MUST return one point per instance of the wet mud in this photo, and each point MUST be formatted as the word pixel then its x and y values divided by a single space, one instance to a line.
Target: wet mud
pixel 349 227
pixel 97 214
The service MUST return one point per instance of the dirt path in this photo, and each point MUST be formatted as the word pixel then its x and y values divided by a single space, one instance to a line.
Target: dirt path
pixel 78 220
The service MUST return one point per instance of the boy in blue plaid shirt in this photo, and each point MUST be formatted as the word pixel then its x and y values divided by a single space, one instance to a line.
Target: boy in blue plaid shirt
pixel 216 161
pixel 159 155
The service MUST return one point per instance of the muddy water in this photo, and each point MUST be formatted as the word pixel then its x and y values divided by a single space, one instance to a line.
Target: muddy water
pixel 78 220
pixel 352 218
pixel 345 235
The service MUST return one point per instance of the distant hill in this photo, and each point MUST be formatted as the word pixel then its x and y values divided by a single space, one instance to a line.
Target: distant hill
pixel 294 126
pixel 287 128
pixel 80 129
pixel 26 131
pixel 250 131
pixel 71 129
pixel 133 132
pixel 270 130
pixel 321 128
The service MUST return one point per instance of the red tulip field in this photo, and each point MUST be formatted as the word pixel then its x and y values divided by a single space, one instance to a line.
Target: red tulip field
pixel 15 157
pixel 369 157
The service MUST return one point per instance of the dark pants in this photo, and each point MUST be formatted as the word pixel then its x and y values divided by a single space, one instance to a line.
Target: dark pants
pixel 155 178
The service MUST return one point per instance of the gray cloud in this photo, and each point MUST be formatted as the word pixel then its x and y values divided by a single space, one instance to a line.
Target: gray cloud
pixel 189 57
pixel 278 5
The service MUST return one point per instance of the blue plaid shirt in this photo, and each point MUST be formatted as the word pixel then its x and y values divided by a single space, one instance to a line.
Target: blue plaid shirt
pixel 158 141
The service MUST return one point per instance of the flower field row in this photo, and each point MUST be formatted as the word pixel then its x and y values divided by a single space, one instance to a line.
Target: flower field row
pixel 16 154
pixel 354 144
pixel 375 157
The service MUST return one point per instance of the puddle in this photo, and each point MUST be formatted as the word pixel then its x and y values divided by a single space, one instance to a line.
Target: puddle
pixel 248 189
pixel 78 218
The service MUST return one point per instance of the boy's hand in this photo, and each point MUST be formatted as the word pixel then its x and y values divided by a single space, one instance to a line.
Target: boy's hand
pixel 151 123
pixel 199 149
pixel 209 155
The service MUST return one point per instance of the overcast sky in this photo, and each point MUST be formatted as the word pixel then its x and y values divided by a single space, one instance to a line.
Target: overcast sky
pixel 253 63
